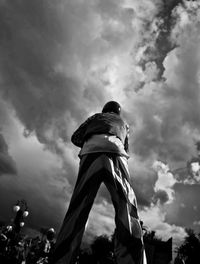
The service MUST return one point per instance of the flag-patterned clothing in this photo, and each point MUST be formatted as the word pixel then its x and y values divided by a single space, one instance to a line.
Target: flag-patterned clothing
pixel 112 170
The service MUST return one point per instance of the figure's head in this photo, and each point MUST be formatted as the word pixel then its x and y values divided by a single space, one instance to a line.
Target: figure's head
pixel 112 107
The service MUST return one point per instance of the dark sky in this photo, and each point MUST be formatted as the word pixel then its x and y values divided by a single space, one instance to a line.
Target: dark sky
pixel 60 62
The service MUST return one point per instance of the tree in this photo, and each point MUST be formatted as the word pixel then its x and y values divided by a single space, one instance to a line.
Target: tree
pixel 85 257
pixel 102 249
pixel 190 249
pixel 151 236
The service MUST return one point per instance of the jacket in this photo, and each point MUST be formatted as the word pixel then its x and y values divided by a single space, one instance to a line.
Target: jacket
pixel 102 123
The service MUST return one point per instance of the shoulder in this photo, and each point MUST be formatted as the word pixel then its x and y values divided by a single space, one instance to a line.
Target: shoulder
pixel 95 116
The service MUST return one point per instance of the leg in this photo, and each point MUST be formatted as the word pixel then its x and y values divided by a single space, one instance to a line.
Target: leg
pixel 128 241
pixel 71 232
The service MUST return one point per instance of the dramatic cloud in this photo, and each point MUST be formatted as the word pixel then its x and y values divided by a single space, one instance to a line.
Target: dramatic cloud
pixel 164 183
pixel 156 219
pixel 7 165
pixel 60 62
pixel 185 209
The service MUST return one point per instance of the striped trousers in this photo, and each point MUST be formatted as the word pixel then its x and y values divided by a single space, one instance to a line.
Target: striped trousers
pixel 112 170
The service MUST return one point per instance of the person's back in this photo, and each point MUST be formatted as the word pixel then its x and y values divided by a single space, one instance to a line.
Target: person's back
pixel 106 123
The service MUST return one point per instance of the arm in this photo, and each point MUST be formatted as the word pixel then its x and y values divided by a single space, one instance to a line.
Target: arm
pixel 78 136
pixel 126 142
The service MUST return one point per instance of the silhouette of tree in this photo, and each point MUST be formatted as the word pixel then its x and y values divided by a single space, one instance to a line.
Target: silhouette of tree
pixel 102 249
pixel 85 257
pixel 190 249
pixel 151 236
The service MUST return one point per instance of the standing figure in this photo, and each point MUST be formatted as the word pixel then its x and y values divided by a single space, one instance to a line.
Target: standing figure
pixel 103 139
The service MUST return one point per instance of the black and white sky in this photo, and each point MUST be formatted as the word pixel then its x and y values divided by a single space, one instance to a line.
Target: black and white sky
pixel 60 62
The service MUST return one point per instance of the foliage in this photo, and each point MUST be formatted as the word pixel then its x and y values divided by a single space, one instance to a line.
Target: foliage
pixel 190 249
pixel 151 236
pixel 101 252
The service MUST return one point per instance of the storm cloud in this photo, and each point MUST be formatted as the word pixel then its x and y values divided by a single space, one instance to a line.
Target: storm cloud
pixel 7 165
pixel 61 61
